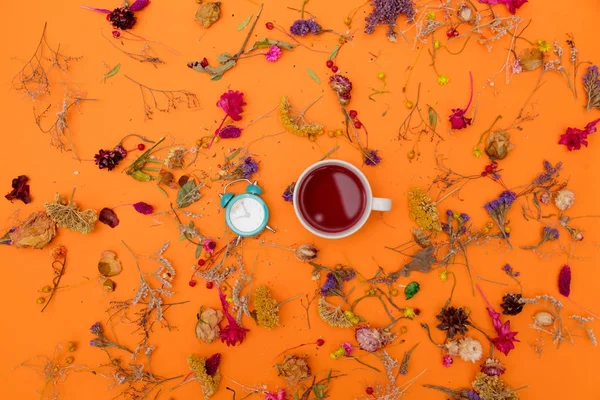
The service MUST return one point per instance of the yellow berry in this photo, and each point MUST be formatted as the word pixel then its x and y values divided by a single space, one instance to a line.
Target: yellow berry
pixel 467 311
pixel 207 255
pixel 381 75
pixel 456 215
pixel 71 346
pixel 411 154
pixel 409 104
pixel 485 230
pixel 436 44
pixel 430 15
pixel 338 266
pixel 507 229
pixel 394 292
pixel 69 360
pixel 198 142
pixel 46 289
pixel 347 21
pixel 490 225
pixel 331 133
pixel 339 132
pixel 229 299
pixel 217 139
pixel 40 300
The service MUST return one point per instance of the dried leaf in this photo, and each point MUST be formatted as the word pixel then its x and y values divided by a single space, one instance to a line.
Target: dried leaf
pixel 66 214
pixel 433 117
pixel 312 75
pixel 208 14
pixel 531 59
pixel 207 327
pixel 112 72
pixel 334 52
pixel 244 23
pixel 108 217
pixel 36 231
pixel 405 359
pixel 109 265
pixel 266 43
pixel 411 289
pixel 188 194
pixel 421 262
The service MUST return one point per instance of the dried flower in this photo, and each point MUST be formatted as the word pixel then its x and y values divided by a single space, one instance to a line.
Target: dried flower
pixel 306 252
pixel 206 371
pixel 281 395
pixel 423 211
pixel 143 208
pixel 208 13
pixel 469 349
pixel 372 339
pixel 457 118
pixel 452 320
pixel 207 327
pixel 266 308
pixel 342 87
pixel 385 12
pixel 66 214
pixel 294 369
pixel 370 157
pixel 499 208
pixel 333 315
pixel 37 231
pixel 464 13
pixel 591 84
pixel 530 59
pixel 109 265
pixel 497 145
pixel 302 27
pixel 273 54
pixel 109 159
pixel 511 304
pixel 573 138
pixel 564 199
pixel 492 367
pixel 447 360
pixel 232 102
pixel 20 190
pixel 233 333
pixel 294 120
pixel 548 235
pixel 512 5
pixel 492 387
pixel 288 193
pixel 504 343
pixel 564 281
pixel 443 80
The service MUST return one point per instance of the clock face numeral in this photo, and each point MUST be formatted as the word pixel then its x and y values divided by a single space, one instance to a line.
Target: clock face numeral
pixel 247 214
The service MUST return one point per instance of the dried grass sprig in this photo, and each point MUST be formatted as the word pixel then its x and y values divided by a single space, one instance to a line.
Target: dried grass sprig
pixel 67 214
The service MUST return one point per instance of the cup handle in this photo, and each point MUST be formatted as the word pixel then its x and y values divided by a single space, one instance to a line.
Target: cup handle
pixel 381 204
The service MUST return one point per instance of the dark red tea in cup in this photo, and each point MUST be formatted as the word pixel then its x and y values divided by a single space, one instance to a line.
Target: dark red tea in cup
pixel 332 199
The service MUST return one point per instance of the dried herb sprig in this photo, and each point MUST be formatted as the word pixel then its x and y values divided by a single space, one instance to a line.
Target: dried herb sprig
pixel 143 56
pixel 137 169
pixel 59 257
pixel 66 214
pixel 165 100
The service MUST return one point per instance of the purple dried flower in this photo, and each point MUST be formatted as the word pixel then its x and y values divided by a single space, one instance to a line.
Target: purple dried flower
pixel 550 234
pixel 449 213
pixel 347 348
pixel 314 27
pixel 288 194
pixel 249 167
pixel 371 158
pixel 492 367
pixel 385 12
pixel 139 5
pixel 464 217
pixel 300 28
pixel 342 87
pixel 472 395
pixel 143 208
pixel 212 364
pixel 99 343
pixel 591 83
pixel 549 173
pixel 330 284
pixel 230 132
pixel 564 281
pixel 96 329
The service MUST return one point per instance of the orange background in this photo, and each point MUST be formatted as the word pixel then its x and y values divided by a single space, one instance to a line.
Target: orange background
pixel 568 372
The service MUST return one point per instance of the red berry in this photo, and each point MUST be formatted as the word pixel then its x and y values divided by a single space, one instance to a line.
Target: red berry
pixel 494 165
pixel 209 285
pixel 116 34
pixel 329 63
pixel 320 342
pixel 335 68
pixel 353 114
pixel 369 390
pixel 489 169
pixel 201 262
pixel 192 283
pixel 269 25
pixel 203 63
pixel 141 146
pixel 484 173
pixel 212 245
pixel 357 124
pixel 417 311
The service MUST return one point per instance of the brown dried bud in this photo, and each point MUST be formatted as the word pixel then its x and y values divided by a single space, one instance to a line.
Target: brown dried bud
pixel 208 14
pixel 207 327
pixel 183 180
pixel 464 13
pixel 543 318
pixel 36 231
pixel 498 145
pixel 531 59
pixel 108 285
pixel 306 252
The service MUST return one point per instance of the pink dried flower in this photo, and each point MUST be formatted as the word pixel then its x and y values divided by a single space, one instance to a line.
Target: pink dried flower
pixel 233 333
pixel 279 396
pixel 232 102
pixel 564 281
pixel 212 364
pixel 143 208
pixel 458 119
pixel 573 138
pixel 347 348
pixel 372 339
pixel 492 367
pixel 209 245
pixel 447 360
pixel 139 5
pixel 504 343
pixel 512 5
pixel 230 132
pixel 273 54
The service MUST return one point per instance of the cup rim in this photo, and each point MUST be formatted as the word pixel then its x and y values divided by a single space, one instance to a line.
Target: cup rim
pixel 368 206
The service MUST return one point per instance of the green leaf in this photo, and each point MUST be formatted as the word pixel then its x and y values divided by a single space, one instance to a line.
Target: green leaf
pixel 198 251
pixel 411 289
pixel 433 117
pixel 312 75
pixel 188 194
pixel 334 52
pixel 112 72
pixel 266 43
pixel 244 23
pixel 223 58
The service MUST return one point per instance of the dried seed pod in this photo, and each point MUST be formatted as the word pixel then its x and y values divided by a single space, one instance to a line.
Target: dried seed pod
pixel 498 145
pixel 109 285
pixel 543 318
pixel 306 252
pixel 208 14
pixel 464 13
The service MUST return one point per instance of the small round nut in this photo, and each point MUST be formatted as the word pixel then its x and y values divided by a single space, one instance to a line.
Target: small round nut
pixel 543 318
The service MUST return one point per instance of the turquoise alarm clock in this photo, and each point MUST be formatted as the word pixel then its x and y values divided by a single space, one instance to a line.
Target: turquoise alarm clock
pixel 246 214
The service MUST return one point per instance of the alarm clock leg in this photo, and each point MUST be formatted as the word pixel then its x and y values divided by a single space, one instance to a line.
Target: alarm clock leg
pixel 238 241
pixel 270 229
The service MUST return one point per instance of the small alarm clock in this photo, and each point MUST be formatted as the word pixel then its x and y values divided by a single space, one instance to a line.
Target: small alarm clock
pixel 246 214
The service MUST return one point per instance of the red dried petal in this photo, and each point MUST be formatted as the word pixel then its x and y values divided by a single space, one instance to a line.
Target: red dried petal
pixel 143 208
pixel 231 102
pixel 107 216
pixel 212 364
pixel 139 5
pixel 20 190
pixel 564 281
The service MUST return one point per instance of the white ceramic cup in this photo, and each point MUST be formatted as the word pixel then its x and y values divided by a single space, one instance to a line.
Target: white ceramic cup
pixel 372 203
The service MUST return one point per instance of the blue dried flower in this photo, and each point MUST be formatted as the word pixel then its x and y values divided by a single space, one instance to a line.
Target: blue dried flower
pixel 96 329
pixel 449 213
pixel 549 173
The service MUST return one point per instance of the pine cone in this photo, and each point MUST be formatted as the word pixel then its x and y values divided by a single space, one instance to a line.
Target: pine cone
pixel 453 320
pixel 510 304
pixel 122 18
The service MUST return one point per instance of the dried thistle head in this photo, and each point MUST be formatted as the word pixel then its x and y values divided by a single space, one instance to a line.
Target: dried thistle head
pixel 498 145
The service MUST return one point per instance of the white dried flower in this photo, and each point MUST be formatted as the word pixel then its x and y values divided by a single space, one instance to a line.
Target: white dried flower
pixel 564 199
pixel 543 318
pixel 452 348
pixel 470 349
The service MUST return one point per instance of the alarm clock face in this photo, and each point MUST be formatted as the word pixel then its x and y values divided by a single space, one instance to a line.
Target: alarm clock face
pixel 247 215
